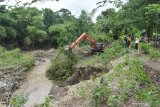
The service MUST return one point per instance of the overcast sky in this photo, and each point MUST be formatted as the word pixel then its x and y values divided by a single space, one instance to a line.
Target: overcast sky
pixel 75 6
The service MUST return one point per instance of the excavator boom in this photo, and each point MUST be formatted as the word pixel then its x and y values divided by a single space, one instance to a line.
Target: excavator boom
pixel 84 36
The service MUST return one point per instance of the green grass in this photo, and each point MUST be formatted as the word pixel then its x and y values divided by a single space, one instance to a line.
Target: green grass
pixel 14 57
pixel 127 77
pixel 152 52
pixel 115 50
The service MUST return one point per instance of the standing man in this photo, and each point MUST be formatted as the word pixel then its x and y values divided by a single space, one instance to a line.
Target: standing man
pixel 136 44
pixel 129 41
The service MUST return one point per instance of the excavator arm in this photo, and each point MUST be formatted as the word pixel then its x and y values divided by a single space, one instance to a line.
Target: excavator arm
pixel 82 37
pixel 95 47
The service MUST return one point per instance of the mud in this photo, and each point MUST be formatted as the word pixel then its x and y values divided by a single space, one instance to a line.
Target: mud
pixel 37 86
pixel 83 73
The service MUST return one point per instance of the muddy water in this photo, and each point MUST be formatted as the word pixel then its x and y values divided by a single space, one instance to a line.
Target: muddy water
pixel 36 85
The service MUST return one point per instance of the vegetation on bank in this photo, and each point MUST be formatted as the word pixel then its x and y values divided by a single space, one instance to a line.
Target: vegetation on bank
pixel 127 81
pixel 13 58
pixel 63 66
pixel 116 49
pixel 148 49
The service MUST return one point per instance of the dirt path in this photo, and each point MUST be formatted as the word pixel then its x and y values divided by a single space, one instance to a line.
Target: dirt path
pixel 36 85
pixel 153 70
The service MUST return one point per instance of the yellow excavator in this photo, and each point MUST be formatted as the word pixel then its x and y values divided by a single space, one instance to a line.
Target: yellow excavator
pixel 96 47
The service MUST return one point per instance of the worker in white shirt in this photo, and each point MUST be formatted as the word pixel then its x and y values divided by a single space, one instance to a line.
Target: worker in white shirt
pixel 136 44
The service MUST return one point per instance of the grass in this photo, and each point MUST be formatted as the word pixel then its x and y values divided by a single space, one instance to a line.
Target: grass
pixel 127 81
pixel 14 57
pixel 115 50
pixel 19 101
pixel 152 52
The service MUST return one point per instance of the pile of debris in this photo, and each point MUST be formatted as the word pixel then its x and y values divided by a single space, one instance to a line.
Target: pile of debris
pixel 42 53
pixel 9 81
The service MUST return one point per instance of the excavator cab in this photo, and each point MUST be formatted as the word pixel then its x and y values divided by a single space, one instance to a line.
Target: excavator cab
pixel 99 48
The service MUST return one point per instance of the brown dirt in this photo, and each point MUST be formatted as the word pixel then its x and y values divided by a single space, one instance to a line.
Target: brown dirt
pixel 153 70
pixel 83 73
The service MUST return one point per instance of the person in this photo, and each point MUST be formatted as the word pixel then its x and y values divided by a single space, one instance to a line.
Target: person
pixel 142 39
pixel 136 44
pixel 129 41
pixel 126 41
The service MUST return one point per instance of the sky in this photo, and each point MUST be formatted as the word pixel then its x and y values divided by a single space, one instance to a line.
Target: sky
pixel 75 6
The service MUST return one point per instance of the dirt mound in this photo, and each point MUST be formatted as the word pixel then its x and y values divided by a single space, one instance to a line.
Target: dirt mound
pixel 153 70
pixel 83 73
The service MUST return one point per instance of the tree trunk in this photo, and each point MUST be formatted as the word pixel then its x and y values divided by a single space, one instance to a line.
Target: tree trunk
pixel 149 32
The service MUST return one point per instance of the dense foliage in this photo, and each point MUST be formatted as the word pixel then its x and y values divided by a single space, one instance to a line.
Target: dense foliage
pixel 153 53
pixel 29 28
pixel 62 67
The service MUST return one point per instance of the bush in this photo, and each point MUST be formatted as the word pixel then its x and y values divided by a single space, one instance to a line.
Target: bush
pixel 100 93
pixel 62 66
pixel 19 101
pixel 152 52
pixel 46 103
pixel 1 49
pixel 145 47
pixel 115 50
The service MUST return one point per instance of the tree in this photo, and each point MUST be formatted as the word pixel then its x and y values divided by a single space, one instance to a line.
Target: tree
pixel 7 24
pixel 48 17
pixel 85 23
pixel 29 24
pixel 64 13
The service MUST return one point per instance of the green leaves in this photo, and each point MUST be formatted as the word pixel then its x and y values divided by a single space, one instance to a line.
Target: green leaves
pixel 116 3
pixel 2 32
pixel 153 53
pixel 19 101
pixel 153 7
pixel 62 67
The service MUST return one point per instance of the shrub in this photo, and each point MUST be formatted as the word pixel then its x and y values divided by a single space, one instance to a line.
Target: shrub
pixel 1 49
pixel 62 66
pixel 19 101
pixel 115 50
pixel 152 52
pixel 100 93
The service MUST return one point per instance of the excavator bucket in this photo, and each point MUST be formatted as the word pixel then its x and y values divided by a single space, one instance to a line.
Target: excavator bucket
pixel 66 48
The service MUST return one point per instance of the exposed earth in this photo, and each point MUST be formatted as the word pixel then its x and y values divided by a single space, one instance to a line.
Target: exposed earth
pixel 37 86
